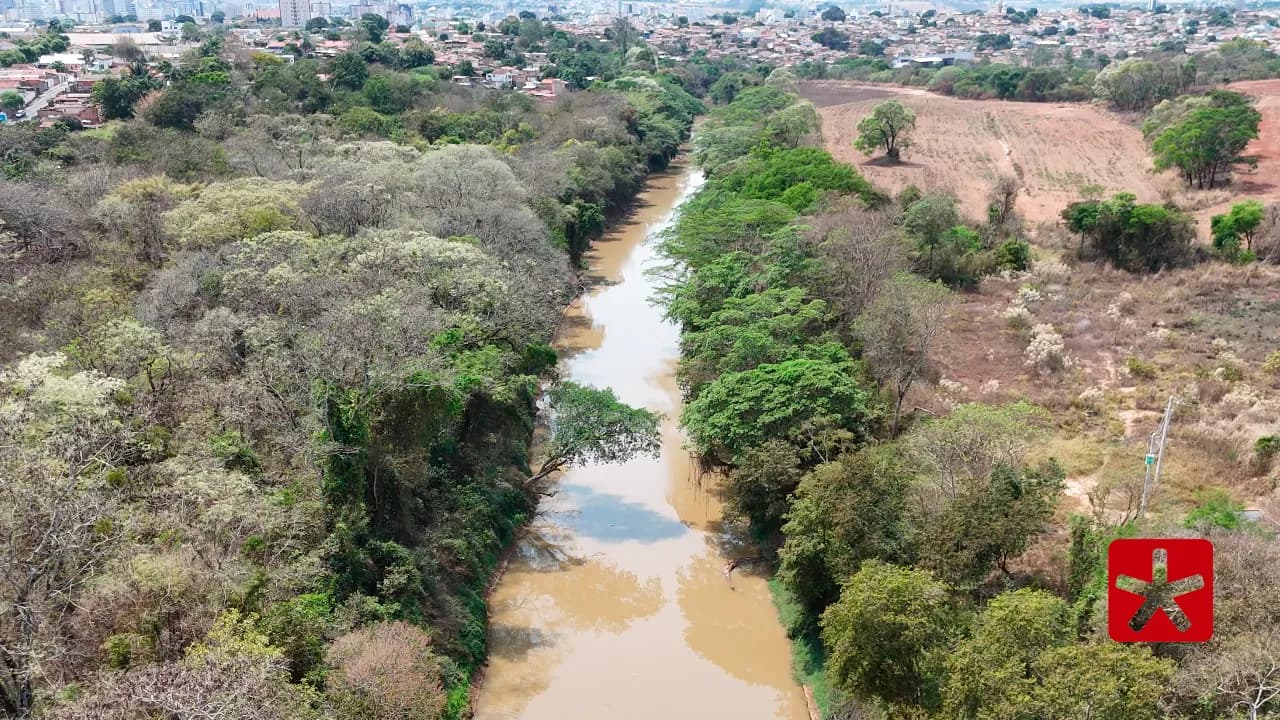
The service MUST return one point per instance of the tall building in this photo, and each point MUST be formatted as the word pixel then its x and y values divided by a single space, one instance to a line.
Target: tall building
pixel 294 13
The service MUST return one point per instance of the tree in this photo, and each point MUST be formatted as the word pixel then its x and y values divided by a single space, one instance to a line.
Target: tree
pixel 622 34
pixel 760 487
pixel 1208 141
pixel 372 26
pixel 11 102
pixel 120 96
pixel 1137 238
pixel 184 19
pixel 234 674
pixel 989 674
pixel 898 331
pixel 1241 223
pixel 135 212
pixel 154 26
pixel 888 126
pixel 1102 681
pixel 843 513
pixel 829 37
pixel 349 71
pixel 592 426
pixel 217 17
pixel 979 505
pixel 191 33
pixel 928 220
pixel 885 634
pixel 416 54
pixel 386 671
pixel 793 400
pixel 833 13
pixel 316 24
pixel 859 251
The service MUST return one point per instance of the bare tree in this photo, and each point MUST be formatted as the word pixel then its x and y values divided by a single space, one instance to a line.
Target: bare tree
pixel 859 251
pixel 899 330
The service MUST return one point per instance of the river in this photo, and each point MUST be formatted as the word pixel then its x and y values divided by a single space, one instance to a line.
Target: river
pixel 615 602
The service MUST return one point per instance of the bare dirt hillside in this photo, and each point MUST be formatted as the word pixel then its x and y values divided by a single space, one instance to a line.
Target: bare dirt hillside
pixel 964 146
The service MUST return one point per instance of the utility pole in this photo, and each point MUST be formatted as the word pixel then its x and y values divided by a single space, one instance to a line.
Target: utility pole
pixel 1155 457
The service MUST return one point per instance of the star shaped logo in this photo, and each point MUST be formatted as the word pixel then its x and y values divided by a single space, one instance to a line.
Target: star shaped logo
pixel 1160 590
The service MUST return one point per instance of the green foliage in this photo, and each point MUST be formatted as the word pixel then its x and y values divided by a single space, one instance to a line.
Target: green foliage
pixel 886 635
pixel 1106 680
pixel 790 400
pixel 1215 508
pixel 589 425
pixel 1140 368
pixel 793 177
pixel 1208 141
pixel 989 674
pixel 1013 255
pixel 844 513
pixel 888 127
pixel 1234 232
pixel 1134 237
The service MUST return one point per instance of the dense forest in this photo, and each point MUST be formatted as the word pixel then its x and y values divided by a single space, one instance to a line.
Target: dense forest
pixel 810 303
pixel 272 341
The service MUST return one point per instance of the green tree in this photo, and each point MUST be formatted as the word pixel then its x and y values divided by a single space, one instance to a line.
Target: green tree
pixel 154 26
pixel 592 426
pixel 889 127
pixel 831 38
pixel 11 102
pixel 979 504
pixel 886 635
pixel 372 26
pixel 1240 224
pixel 349 71
pixel 844 513
pixel 833 13
pixel 1134 237
pixel 1102 681
pixel 794 400
pixel 1205 144
pixel 990 673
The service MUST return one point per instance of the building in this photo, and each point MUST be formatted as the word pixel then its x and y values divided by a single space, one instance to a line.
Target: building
pixel 294 13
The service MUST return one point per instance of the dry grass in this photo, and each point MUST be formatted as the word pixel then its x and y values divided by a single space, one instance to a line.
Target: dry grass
pixel 964 146
pixel 1204 330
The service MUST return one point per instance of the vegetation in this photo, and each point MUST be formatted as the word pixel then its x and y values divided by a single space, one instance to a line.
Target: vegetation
pixel 904 539
pixel 1132 236
pixel 1206 141
pixel 889 127
pixel 271 351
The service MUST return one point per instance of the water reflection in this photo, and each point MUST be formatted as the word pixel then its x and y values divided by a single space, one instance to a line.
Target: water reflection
pixel 612 518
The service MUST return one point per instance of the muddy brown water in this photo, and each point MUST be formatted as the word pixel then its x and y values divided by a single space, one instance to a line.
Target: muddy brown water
pixel 615 602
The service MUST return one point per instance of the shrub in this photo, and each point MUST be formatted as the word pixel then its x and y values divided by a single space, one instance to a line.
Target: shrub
pixel 1013 255
pixel 386 671
pixel 1140 368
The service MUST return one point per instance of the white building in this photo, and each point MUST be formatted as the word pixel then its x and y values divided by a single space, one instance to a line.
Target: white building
pixel 294 13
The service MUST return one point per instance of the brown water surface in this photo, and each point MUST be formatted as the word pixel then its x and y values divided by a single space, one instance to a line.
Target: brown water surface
pixel 616 603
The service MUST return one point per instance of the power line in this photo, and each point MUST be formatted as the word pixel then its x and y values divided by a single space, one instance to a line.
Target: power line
pixel 1155 457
